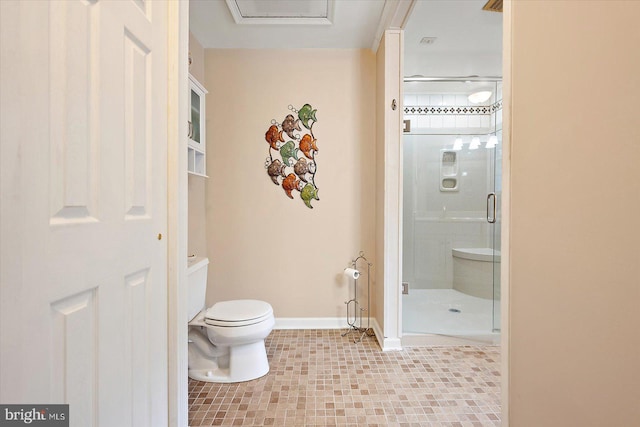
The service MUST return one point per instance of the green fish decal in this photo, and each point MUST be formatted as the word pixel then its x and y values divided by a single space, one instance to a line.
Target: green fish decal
pixel 288 152
pixel 308 193
pixel 307 113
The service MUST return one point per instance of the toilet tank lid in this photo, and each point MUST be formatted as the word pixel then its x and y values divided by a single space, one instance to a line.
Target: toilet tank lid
pixel 195 263
pixel 238 310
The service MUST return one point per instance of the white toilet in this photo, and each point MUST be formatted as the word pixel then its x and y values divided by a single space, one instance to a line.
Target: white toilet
pixel 226 340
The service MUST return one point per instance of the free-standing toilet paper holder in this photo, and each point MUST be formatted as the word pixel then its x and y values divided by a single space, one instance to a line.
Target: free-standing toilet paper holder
pixel 353 305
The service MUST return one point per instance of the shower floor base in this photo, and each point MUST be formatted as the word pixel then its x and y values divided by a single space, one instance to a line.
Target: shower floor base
pixel 448 312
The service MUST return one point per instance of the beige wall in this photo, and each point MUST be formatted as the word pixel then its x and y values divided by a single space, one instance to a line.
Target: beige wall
pixel 197 220
pixel 575 204
pixel 261 243
pixel 197 58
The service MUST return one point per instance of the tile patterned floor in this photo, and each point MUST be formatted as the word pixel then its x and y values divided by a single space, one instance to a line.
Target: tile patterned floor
pixel 319 378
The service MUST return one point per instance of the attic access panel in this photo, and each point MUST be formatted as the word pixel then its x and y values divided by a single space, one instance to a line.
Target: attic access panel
pixel 278 12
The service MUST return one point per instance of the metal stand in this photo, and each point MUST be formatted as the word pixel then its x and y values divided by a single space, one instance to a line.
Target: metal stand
pixel 353 305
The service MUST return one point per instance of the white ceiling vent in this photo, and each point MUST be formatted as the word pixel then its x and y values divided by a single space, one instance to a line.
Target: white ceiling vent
pixel 428 40
pixel 279 12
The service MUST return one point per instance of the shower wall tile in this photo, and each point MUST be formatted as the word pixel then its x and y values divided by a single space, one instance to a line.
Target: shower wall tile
pixel 474 121
pixel 449 100
pixel 485 121
pixel 462 121
pixel 410 100
pixel 448 121
pixel 462 100
pixel 433 242
pixel 423 121
pixel 435 100
pixel 442 220
pixel 474 232
pixel 437 122
pixel 423 100
pixel 433 268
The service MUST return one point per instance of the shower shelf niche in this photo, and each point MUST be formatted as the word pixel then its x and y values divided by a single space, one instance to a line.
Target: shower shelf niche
pixel 449 170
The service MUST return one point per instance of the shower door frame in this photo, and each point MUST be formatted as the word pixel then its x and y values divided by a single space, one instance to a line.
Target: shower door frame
pixel 391 252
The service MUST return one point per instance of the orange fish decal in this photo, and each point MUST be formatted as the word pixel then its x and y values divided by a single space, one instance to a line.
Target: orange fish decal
pixel 307 143
pixel 273 135
pixel 290 183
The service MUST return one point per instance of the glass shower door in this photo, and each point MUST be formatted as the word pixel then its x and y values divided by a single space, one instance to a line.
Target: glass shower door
pixel 451 210
pixel 450 217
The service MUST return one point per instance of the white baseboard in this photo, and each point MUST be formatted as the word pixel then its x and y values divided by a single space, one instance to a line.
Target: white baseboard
pixel 386 344
pixel 310 323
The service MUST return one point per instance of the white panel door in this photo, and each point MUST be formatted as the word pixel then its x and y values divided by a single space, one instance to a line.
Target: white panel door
pixel 83 204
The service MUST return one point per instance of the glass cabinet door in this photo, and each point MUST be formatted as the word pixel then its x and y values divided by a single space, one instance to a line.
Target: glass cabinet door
pixel 195 116
pixel 197 130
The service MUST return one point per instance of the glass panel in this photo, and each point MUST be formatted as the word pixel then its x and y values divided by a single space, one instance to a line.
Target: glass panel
pixel 450 257
pixel 496 232
pixel 497 227
pixel 445 228
pixel 195 116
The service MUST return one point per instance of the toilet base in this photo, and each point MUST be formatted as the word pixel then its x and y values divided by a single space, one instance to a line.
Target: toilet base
pixel 235 364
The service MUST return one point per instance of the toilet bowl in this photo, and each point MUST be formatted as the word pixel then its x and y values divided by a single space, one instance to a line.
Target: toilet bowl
pixel 226 340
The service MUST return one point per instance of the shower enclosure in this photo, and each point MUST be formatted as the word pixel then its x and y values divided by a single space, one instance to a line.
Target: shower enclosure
pixel 451 207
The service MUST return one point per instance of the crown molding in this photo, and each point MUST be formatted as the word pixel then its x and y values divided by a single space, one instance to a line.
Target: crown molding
pixel 395 15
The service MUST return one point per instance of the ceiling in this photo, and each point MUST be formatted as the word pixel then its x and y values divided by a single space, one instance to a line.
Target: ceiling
pixel 469 40
pixel 354 26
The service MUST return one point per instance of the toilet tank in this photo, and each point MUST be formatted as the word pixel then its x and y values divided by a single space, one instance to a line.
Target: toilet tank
pixel 197 284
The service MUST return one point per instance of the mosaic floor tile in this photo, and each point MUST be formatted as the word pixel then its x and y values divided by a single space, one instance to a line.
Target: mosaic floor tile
pixel 319 378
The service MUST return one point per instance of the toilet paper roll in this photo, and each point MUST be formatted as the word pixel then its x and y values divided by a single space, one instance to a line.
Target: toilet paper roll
pixel 352 273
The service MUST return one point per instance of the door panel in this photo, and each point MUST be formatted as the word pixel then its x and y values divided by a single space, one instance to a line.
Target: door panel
pixel 83 315
pixel 74 354
pixel 73 142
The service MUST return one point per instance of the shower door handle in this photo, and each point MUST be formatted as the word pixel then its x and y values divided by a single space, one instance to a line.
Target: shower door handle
pixel 491 219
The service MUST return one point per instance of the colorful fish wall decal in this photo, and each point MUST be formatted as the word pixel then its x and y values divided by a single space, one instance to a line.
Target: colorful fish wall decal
pixel 288 152
pixel 285 167
pixel 306 114
pixel 308 193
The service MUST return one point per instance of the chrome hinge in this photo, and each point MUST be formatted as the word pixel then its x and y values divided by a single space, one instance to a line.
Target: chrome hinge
pixel 405 288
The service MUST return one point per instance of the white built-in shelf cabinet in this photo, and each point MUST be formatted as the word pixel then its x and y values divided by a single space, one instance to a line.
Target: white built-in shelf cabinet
pixel 197 129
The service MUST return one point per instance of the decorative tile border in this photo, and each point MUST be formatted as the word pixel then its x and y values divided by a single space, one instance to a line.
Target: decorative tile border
pixel 453 110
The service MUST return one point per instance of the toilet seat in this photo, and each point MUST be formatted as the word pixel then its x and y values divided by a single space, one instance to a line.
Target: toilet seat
pixel 238 313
